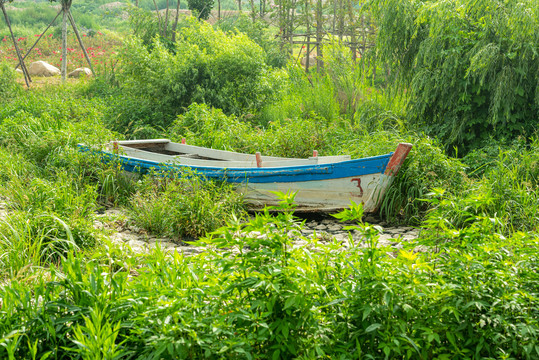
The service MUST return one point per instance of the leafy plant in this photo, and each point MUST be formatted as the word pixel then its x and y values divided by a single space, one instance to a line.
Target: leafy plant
pixel 180 206
pixel 201 8
pixel 469 67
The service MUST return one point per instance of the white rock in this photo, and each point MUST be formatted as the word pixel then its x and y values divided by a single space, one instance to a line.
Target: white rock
pixel 312 60
pixel 334 227
pixel 136 243
pixel 42 68
pixel 80 71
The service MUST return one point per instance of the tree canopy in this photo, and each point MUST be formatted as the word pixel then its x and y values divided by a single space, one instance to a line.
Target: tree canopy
pixel 470 68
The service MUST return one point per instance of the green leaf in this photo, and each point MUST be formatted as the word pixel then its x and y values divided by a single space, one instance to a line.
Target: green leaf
pixel 373 327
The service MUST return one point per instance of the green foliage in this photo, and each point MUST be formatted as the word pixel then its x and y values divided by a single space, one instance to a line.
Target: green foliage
pixel 470 68
pixel 144 24
pixel 254 293
pixel 183 206
pixel 205 66
pixel 261 33
pixel 34 239
pixel 505 197
pixel 426 167
pixel 201 8
pixel 8 85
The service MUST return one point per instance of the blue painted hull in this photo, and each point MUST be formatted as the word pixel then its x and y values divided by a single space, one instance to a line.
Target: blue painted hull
pixel 344 169
pixel 318 187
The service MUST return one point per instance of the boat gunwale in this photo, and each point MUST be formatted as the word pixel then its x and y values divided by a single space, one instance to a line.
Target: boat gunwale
pixel 255 169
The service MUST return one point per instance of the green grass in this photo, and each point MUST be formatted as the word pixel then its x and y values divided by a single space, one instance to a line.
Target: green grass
pixel 67 292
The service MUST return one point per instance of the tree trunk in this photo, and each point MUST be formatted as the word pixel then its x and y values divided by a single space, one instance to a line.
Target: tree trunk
pixel 158 15
pixel 253 10
pixel 165 30
pixel 176 21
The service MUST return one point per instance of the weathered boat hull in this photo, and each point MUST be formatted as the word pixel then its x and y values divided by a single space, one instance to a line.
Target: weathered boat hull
pixel 318 187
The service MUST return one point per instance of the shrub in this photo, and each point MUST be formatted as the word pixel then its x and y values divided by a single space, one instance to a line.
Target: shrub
pixel 260 32
pixel 506 196
pixel 254 293
pixel 34 239
pixel 8 86
pixel 469 68
pixel 186 206
pixel 205 66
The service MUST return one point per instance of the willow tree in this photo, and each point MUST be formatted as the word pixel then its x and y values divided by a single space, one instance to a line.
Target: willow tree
pixel 469 68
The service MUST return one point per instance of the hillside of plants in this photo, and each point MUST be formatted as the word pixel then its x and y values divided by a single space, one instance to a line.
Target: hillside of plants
pixel 458 79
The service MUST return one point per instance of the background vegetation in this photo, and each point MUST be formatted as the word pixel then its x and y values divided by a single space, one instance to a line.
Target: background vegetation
pixel 466 288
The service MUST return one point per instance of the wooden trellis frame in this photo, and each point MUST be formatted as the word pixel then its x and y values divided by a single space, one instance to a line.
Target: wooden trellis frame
pixel 67 16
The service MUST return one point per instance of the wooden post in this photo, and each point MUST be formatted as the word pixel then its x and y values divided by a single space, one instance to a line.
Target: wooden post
pixel 307 25
pixel 74 26
pixel 64 41
pixel 258 159
pixel 158 15
pixel 318 35
pixel 165 30
pixel 27 78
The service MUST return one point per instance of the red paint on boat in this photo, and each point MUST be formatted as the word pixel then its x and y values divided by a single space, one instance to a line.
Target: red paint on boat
pixel 358 185
pixel 395 163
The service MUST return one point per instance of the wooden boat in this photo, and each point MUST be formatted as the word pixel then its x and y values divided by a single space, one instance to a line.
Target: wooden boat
pixel 321 183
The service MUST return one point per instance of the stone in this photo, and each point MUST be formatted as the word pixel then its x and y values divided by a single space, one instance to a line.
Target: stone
pixel 321 227
pixel 134 243
pixel 334 227
pixel 408 237
pixel 42 68
pixel 18 70
pixel 312 61
pixel 340 236
pixel 370 219
pixel 385 237
pixel 80 71
pixel 393 230
pixel 384 243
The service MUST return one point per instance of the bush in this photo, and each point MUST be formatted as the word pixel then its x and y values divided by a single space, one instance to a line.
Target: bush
pixel 469 68
pixel 9 88
pixel 261 33
pixel 254 293
pixel 186 206
pixel 205 66
pixel 505 197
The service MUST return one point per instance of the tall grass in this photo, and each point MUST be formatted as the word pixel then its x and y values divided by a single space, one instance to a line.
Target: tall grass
pixel 183 205
pixel 256 294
